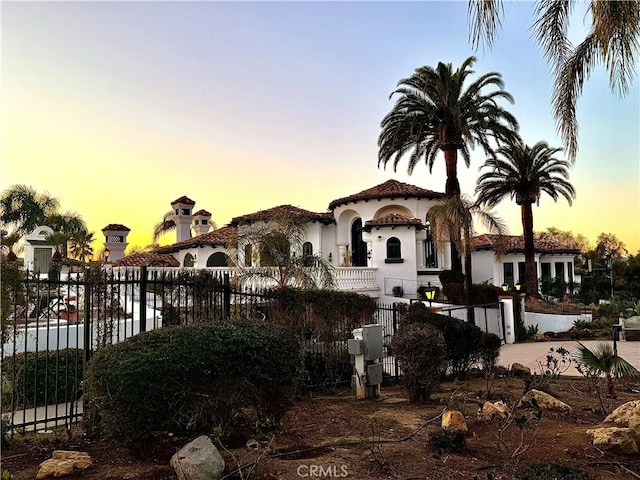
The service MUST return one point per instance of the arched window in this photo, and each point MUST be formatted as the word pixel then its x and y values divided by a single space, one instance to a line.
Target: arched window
pixel 188 260
pixel 218 259
pixel 307 253
pixel 358 247
pixel 430 256
pixel 394 251
pixel 248 255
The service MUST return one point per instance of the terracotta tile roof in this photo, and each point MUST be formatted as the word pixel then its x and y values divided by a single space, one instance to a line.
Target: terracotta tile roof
pixel 116 227
pixel 202 212
pixel 147 259
pixel 183 199
pixel 393 219
pixel 515 243
pixel 220 237
pixel 389 189
pixel 284 210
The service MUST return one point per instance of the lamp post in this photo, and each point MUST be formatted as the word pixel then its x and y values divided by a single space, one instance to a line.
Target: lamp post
pixel 430 293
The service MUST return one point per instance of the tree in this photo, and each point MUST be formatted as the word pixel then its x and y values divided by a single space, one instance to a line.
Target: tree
pixel 568 239
pixel 22 208
pixel 524 173
pixel 454 218
pixel 80 245
pixel 436 112
pixel 276 250
pixel 608 246
pixel 613 42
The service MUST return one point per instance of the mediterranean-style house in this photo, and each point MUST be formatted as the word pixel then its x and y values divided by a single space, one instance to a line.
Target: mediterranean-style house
pixel 377 239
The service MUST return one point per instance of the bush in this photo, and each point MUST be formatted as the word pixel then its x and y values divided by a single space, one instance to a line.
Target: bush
pixel 43 378
pixel 463 340
pixel 450 276
pixel 547 469
pixel 325 372
pixel 489 351
pixel 442 441
pixel 193 378
pixel 420 351
pixel 480 293
pixel 609 310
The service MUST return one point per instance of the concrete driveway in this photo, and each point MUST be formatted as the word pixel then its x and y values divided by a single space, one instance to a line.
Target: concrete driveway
pixel 529 354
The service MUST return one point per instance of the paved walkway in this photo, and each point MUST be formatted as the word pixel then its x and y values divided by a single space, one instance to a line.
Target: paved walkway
pixel 529 354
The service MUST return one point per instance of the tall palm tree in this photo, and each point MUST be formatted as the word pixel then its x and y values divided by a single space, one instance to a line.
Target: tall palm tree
pixel 613 41
pixel 437 111
pixel 453 217
pixel 524 173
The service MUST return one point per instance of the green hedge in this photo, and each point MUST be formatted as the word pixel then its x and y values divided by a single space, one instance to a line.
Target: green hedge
pixel 43 378
pixel 197 377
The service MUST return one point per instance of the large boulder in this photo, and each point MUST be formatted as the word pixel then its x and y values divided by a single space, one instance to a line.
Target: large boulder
pixel 544 401
pixel 519 370
pixel 619 439
pixel 494 410
pixel 62 463
pixel 198 460
pixel 627 415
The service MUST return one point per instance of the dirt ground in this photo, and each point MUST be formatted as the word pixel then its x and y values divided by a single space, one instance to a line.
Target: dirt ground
pixel 339 437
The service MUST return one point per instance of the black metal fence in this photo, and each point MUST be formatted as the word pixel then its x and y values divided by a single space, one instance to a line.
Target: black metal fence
pixel 54 327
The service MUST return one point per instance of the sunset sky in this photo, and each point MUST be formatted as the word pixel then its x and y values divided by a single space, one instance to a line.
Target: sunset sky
pixel 118 108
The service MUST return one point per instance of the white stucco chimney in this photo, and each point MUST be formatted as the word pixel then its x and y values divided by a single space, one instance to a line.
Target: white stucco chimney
pixel 182 208
pixel 201 222
pixel 115 239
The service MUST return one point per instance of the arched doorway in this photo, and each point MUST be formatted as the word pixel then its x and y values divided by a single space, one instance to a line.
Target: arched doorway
pixel 358 247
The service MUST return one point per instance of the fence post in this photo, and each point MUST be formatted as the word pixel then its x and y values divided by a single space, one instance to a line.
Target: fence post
pixel 395 330
pixel 226 296
pixel 87 321
pixel 143 299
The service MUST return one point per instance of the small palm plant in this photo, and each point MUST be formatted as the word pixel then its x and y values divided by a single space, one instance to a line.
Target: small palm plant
pixel 603 360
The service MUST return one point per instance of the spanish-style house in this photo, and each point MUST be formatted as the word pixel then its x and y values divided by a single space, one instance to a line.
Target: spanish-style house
pixel 377 239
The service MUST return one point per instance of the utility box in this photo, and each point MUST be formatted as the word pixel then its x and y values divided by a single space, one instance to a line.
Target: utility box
pixel 374 374
pixel 354 346
pixel 372 340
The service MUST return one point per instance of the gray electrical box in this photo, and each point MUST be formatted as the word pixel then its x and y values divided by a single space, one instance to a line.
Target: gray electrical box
pixel 374 374
pixel 355 346
pixel 372 340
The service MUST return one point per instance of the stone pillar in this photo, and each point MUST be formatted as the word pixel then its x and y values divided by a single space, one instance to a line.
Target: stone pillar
pixel 509 320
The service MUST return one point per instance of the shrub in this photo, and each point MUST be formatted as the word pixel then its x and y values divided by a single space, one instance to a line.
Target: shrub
pixel 480 293
pixel 450 276
pixel 547 469
pixel 325 372
pixel 609 310
pixel 43 378
pixel 463 340
pixel 420 351
pixel 489 351
pixel 442 441
pixel 191 378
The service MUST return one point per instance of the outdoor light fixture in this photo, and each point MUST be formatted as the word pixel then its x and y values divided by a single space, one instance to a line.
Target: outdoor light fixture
pixel 106 254
pixel 369 254
pixel 330 257
pixel 505 287
pixel 430 293
pixel 518 287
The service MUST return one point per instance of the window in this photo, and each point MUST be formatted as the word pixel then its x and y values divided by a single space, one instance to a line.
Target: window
pixel 507 269
pixel 560 270
pixel 248 255
pixel 394 251
pixel 430 257
pixel 545 270
pixel 307 253
pixel 521 272
pixel 186 211
pixel 188 260
pixel 217 259
pixel 358 247
pixel 203 221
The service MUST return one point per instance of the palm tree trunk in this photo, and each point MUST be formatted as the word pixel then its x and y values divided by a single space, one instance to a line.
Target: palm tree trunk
pixel 467 275
pixel 452 189
pixel 530 274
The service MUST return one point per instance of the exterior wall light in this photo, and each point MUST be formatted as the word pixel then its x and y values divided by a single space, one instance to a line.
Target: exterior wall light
pixel 505 287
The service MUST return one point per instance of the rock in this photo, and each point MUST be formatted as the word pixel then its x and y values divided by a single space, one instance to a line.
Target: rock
pixel 620 439
pixel 493 410
pixel 627 415
pixel 63 462
pixel 544 401
pixel 519 370
pixel 454 420
pixel 198 460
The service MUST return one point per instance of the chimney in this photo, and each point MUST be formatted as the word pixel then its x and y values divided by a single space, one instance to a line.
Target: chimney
pixel 201 222
pixel 182 208
pixel 115 239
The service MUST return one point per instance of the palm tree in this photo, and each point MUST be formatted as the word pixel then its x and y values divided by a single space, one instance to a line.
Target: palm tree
pixel 453 217
pixel 80 245
pixel 24 209
pixel 278 247
pixel 436 112
pixel 525 173
pixel 603 360
pixel 613 42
